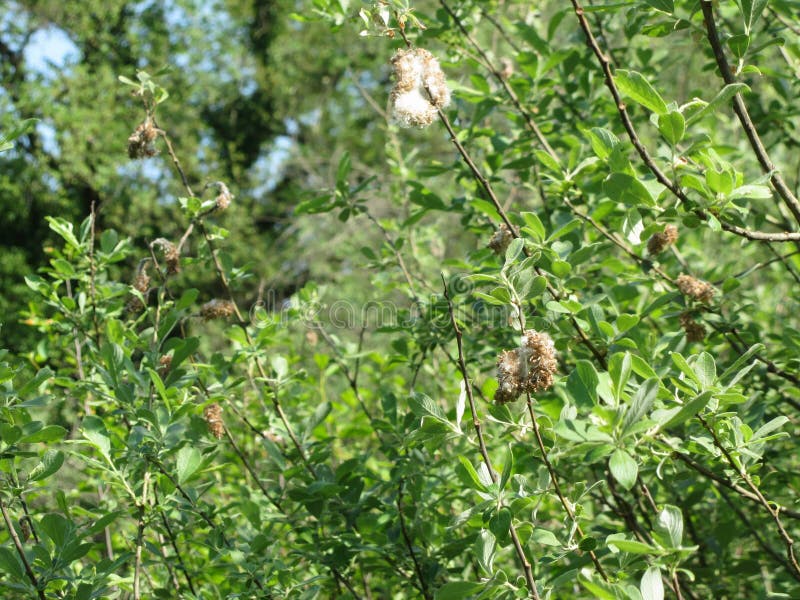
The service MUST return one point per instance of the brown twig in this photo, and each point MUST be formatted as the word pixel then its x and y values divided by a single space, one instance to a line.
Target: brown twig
pixel 417 568
pixel 648 161
pixel 740 109
pixel 794 569
pixel 526 565
pixel 20 550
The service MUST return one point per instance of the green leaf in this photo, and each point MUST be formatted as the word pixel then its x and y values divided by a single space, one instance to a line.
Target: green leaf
pixel 51 433
pixel 688 410
pixel 548 161
pixel 619 367
pixel 471 473
pixel 651 585
pixel 667 6
pixel 582 383
pixel 545 537
pixel 739 44
pixel 458 590
pixel 705 369
pixel 668 528
pixel 633 547
pixel 603 141
pixel 94 430
pixel 514 250
pixel 722 98
pixel 500 523
pixel 10 564
pixel 751 11
pixel 534 223
pixel 624 188
pixel 56 527
pixel 741 361
pixel 635 86
pixel 485 550
pixel 672 126
pixel 65 229
pixel 51 462
pixel 623 468
pixel 508 467
pixel 188 461
pixel 640 405
pixel 684 367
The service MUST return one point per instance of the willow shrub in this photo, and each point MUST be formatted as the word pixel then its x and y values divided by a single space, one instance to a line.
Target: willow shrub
pixel 565 365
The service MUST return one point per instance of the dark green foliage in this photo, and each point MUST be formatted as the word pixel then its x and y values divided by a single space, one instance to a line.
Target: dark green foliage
pixel 290 356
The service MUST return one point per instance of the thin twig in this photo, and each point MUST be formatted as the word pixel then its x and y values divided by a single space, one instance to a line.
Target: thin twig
pixel 526 565
pixel 556 485
pixel 20 550
pixel 662 178
pixel 740 109
pixel 417 568
pixel 794 570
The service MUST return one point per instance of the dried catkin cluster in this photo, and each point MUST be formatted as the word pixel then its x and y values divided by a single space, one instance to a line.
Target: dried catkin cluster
pixel 171 255
pixel 420 89
pixel 223 199
pixel 217 309
pixel 142 285
pixel 500 240
pixel 213 417
pixel 140 142
pixel 529 368
pixel 662 240
pixel 694 288
pixel 695 332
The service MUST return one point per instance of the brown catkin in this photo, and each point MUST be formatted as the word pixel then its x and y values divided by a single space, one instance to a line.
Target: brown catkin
pixel 662 240
pixel 217 309
pixel 529 368
pixel 223 199
pixel 164 364
pixel 141 284
pixel 694 288
pixel 172 257
pixel 140 142
pixel 695 332
pixel 25 528
pixel 500 240
pixel 213 417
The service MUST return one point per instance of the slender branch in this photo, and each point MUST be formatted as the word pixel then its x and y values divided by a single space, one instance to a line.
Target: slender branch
pixel 526 565
pixel 660 176
pixel 531 124
pixel 794 570
pixel 140 538
pixel 425 591
pixel 740 109
pixel 20 550
pixel 753 530
pixel 174 543
pixel 556 485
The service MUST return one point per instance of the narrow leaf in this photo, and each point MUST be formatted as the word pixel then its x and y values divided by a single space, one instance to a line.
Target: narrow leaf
pixel 635 86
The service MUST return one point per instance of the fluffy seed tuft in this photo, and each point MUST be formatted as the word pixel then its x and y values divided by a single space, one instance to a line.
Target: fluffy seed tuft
pixel 420 89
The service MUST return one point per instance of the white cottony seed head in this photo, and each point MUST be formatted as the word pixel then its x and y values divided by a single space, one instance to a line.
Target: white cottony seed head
pixel 420 89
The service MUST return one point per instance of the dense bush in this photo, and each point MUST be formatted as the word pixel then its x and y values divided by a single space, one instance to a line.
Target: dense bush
pixel 550 347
